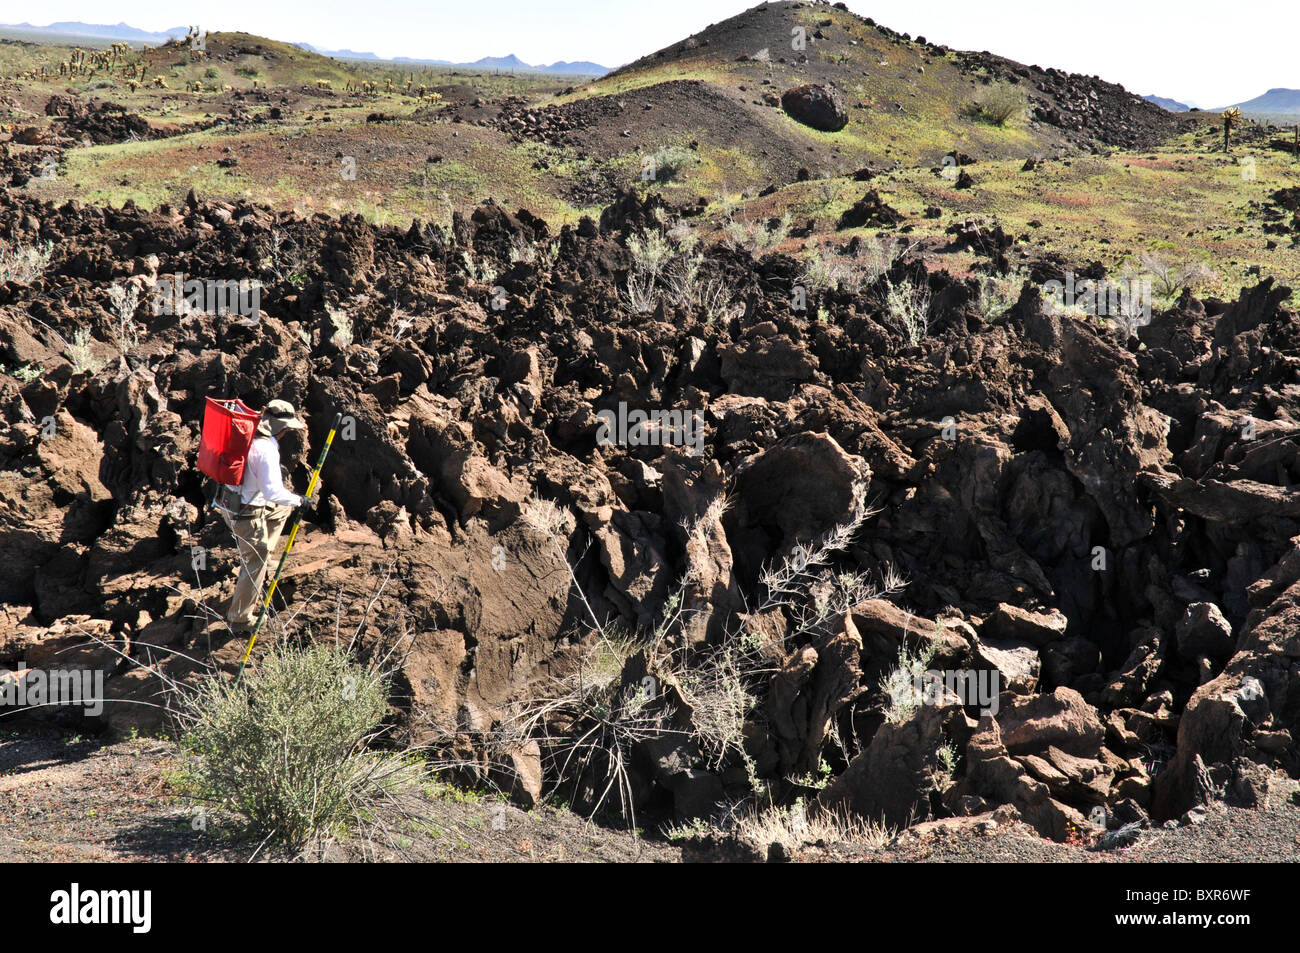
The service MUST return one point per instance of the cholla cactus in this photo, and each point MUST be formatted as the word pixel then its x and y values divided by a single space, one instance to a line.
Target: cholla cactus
pixel 1231 117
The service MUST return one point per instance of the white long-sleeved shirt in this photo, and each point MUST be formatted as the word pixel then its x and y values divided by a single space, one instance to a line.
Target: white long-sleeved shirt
pixel 263 484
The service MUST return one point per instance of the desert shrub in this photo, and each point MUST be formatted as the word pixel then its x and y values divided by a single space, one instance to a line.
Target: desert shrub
pixel 1133 313
pixel 948 756
pixel 590 722
pixel 908 305
pixel 716 301
pixel 666 267
pixel 682 280
pixel 24 373
pixel 25 263
pixel 997 294
pixel 768 236
pixel 650 252
pixel 720 693
pixel 998 105
pixel 399 322
pixel 124 300
pixel 287 744
pixel 342 321
pixel 684 286
pixel 792 827
pixel 757 238
pixel 824 272
pixel 683 236
pixel 480 271
pixel 79 353
pixel 878 256
pixel 797 825
pixel 284 259
pixel 1169 277
pixel 641 295
pixel 521 249
pixel 900 684
pixel 666 164
pixel 735 234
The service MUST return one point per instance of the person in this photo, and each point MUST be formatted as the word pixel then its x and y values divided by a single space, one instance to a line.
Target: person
pixel 266 505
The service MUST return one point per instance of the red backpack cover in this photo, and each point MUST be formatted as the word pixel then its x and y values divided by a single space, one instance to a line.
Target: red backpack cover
pixel 228 429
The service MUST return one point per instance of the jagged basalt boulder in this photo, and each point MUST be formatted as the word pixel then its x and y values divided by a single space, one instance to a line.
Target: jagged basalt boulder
pixel 870 210
pixel 821 107
pixel 899 779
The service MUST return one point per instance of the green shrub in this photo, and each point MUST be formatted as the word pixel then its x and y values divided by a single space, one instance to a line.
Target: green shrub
pixel 666 164
pixel 25 263
pixel 908 305
pixel 287 744
pixel 998 105
pixel 901 683
pixel 79 352
pixel 650 252
pixel 998 294
pixel 758 238
pixel 23 372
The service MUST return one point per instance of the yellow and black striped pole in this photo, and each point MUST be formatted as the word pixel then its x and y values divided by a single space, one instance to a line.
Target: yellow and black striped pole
pixel 293 533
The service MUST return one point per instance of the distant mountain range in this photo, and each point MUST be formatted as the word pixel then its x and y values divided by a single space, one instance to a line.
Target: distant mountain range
pixel 118 31
pixel 511 62
pixel 1173 105
pixel 1275 101
pixel 124 31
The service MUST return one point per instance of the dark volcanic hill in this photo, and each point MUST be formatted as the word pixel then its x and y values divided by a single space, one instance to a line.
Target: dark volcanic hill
pixel 900 88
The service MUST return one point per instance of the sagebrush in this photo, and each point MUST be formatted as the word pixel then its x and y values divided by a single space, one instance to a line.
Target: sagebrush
pixel 288 744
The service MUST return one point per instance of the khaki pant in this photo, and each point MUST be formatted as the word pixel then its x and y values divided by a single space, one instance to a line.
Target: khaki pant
pixel 256 535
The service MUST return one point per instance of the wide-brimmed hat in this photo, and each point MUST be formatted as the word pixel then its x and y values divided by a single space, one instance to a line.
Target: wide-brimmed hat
pixel 281 415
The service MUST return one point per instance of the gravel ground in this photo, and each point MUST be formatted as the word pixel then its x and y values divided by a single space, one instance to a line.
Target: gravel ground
pixel 75 799
pixel 1224 835
pixel 65 798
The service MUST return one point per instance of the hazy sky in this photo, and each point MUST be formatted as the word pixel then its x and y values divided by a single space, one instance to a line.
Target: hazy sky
pixel 1206 53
